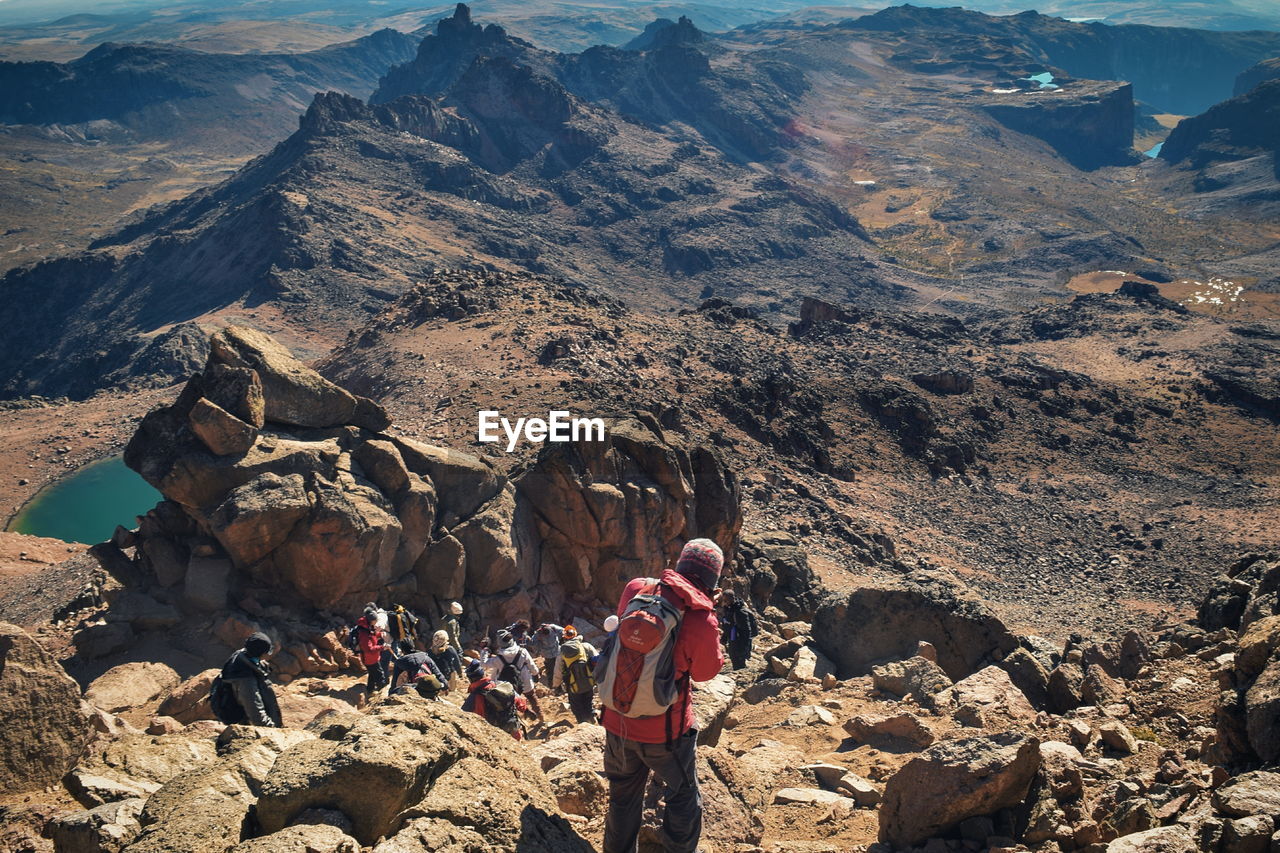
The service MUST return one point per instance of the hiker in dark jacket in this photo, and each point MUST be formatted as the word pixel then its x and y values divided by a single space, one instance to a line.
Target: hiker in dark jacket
pixel 738 628
pixel 245 672
pixel 445 656
pixel 402 625
pixel 420 669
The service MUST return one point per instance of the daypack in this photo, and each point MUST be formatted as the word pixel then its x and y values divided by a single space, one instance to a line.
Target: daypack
pixel 401 623
pixel 353 641
pixel 222 699
pixel 500 705
pixel 426 682
pixel 639 659
pixel 577 668
pixel 509 673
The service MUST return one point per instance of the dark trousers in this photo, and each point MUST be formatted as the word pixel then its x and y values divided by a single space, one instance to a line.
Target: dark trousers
pixel 377 674
pixel 739 652
pixel 583 706
pixel 627 764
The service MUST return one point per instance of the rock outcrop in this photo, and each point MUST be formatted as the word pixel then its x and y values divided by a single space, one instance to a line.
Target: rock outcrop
pixel 45 728
pixel 311 504
pixel 1247 600
pixel 885 623
pixel 1090 124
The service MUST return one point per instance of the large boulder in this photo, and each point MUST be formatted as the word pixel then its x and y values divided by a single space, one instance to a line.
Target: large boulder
pixel 135 765
pixel 412 772
pixel 293 393
pixel 311 505
pixel 777 571
pixel 989 697
pixel 581 744
pixel 875 623
pixel 104 829
pixel 904 726
pixel 45 728
pixel 189 701
pixel 1257 792
pixel 1162 839
pixel 131 685
pixel 1029 675
pixel 303 838
pixel 206 809
pixel 955 780
pixel 915 676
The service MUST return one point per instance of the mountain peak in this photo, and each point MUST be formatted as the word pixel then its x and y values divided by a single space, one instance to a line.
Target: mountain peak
pixel 666 33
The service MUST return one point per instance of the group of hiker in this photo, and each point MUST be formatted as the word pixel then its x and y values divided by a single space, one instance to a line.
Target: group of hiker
pixel 667 632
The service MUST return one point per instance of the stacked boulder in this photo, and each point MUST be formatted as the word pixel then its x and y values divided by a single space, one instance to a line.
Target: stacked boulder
pixel 282 487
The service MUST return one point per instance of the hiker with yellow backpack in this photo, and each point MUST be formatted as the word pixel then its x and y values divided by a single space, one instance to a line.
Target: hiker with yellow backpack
pixel 575 669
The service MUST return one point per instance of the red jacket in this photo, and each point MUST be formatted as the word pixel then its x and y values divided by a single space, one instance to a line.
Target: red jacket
pixel 697 653
pixel 372 642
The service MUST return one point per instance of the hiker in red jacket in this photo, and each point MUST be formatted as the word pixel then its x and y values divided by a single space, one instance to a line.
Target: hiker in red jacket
pixel 638 742
pixel 371 639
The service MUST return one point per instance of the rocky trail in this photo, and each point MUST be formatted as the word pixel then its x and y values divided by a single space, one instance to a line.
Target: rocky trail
pixel 891 710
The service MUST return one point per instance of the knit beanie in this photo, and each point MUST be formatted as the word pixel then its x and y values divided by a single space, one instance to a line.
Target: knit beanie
pixel 258 644
pixel 701 561
pixel 475 670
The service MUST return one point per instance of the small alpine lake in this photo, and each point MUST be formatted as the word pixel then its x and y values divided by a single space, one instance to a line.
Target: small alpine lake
pixel 87 505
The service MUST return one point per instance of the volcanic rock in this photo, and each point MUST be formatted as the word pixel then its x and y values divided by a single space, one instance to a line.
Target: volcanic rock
pixel 136 765
pixel 45 728
pixel 303 838
pixel 105 829
pixel 411 758
pixel 876 623
pixel 991 696
pixel 905 726
pixel 224 788
pixel 955 780
pixel 917 676
pixel 1255 792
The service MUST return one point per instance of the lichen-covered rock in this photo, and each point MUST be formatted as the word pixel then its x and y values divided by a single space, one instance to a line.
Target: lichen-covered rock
pixel 44 728
pixel 413 758
pixel 204 810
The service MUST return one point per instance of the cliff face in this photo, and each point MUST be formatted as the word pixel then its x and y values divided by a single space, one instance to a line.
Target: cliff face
pixel 1181 71
pixel 151 91
pixel 1089 124
pixel 1267 69
pixel 1244 126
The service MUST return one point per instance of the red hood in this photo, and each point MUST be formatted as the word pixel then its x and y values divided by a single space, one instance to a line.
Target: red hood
pixel 694 597
pixel 364 623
